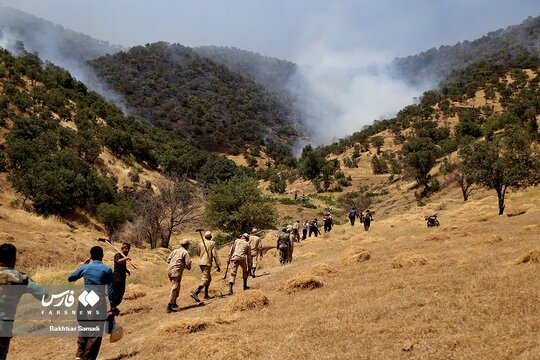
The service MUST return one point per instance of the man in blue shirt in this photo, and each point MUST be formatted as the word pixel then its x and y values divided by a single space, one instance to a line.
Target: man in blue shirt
pixel 96 275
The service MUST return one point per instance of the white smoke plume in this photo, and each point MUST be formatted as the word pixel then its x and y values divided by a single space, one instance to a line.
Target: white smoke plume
pixel 342 88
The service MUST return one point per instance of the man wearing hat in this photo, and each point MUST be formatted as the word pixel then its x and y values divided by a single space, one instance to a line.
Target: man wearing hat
pixel 296 231
pixel 289 230
pixel 178 260
pixel 208 254
pixel 256 250
pixel 240 255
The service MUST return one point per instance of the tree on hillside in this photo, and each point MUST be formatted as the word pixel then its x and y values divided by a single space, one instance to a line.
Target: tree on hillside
pixel 502 163
pixel 455 173
pixel 377 142
pixel 419 157
pixel 175 206
pixel 113 216
pixel 238 205
pixel 311 163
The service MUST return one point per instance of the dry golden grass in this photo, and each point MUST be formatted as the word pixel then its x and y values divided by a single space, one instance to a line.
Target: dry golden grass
pixel 320 270
pixel 356 255
pixel 185 326
pixel 470 301
pixel 248 300
pixel 531 257
pixel 135 291
pixel 407 260
pixel 303 282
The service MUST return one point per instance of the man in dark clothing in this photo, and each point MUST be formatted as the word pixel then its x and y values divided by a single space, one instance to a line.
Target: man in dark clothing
pixel 352 216
pixel 367 220
pixel 327 223
pixel 314 228
pixel 95 274
pixel 119 275
pixel 9 299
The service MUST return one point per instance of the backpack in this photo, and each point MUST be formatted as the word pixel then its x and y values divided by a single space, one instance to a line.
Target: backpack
pixel 283 241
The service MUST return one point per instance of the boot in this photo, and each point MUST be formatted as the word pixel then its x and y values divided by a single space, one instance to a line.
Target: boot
pixel 196 293
pixel 230 288
pixel 175 307
pixel 206 296
pixel 170 308
pixel 253 272
pixel 245 285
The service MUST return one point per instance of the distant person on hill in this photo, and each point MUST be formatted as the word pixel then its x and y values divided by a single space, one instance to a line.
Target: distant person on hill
pixel 368 218
pixel 208 255
pixel 10 299
pixel 361 216
pixel 352 216
pixel 305 227
pixel 295 195
pixel 283 244
pixel 119 274
pixel 178 260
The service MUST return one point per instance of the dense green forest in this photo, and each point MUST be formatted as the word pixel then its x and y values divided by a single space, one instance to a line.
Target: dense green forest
pixel 57 167
pixel 496 47
pixel 176 89
pixel 274 74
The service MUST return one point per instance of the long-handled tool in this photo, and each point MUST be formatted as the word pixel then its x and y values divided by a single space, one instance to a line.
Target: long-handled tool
pixel 115 248
pixel 205 248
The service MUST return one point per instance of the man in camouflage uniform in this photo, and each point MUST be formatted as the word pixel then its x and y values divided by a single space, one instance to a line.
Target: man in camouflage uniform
pixel 240 255
pixel 8 298
pixel 256 250
pixel 178 260
pixel 283 245
pixel 208 254
pixel 291 246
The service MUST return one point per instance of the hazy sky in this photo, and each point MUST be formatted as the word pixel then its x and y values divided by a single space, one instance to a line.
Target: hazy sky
pixel 336 43
pixel 282 28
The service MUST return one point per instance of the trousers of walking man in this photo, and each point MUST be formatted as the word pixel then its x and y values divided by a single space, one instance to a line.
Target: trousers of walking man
pixel 255 243
pixel 178 260
pixel 240 256
pixel 96 275
pixel 207 251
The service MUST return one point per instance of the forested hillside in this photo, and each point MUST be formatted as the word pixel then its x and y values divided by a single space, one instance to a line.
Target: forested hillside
pixel 177 89
pixel 273 73
pixel 54 133
pixel 495 47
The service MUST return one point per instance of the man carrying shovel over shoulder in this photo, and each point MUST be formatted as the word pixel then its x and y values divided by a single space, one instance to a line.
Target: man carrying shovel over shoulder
pixel 207 251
